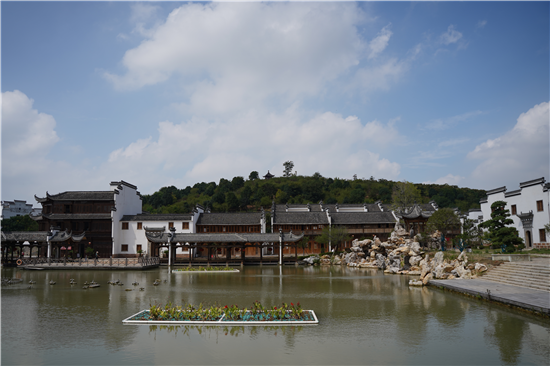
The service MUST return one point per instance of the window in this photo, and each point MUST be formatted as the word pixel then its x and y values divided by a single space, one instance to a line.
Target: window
pixel 138 247
pixel 124 247
pixel 223 229
pixel 140 226
pixel 170 225
pixel 542 235
pixel 185 226
pixel 124 226
pixel 539 206
pixel 514 210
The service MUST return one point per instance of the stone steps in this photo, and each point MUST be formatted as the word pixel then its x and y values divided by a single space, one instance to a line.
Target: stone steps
pixel 535 275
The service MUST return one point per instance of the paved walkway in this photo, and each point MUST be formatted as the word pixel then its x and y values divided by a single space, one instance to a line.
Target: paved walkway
pixel 526 298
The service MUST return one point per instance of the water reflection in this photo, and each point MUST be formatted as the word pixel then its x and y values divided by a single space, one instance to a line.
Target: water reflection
pixel 361 311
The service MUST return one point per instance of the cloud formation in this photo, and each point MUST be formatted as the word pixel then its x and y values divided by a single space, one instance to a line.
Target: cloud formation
pixel 450 36
pixel 524 150
pixel 200 150
pixel 245 51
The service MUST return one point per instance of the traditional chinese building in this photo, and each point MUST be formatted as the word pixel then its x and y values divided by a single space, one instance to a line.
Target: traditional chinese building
pixel 94 212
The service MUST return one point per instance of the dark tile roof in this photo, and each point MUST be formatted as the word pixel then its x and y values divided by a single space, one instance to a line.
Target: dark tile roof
pixel 284 218
pixel 157 217
pixel 343 218
pixel 39 236
pixel 222 238
pixel 22 236
pixel 79 196
pixel 83 216
pixel 237 218
pixel 532 182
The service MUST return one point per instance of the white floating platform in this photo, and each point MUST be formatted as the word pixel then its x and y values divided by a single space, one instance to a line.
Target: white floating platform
pixel 221 321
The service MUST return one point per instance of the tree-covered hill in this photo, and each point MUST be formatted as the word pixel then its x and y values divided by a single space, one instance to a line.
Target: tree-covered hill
pixel 240 194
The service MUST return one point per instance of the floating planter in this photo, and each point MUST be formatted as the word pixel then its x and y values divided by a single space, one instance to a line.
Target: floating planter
pixel 227 315
pixel 205 269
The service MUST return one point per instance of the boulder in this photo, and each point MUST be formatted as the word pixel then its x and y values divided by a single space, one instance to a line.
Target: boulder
pixel 480 267
pixel 415 248
pixel 311 259
pixel 416 283
pixel 380 261
pixel 428 277
pixel 415 260
pixel 438 259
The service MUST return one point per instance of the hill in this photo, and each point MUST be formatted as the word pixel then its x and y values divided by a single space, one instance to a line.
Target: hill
pixel 240 194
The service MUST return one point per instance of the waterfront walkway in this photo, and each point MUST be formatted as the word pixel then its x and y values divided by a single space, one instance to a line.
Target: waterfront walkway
pixel 522 297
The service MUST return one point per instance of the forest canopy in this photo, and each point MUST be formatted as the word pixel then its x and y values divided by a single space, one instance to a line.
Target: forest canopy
pixel 240 194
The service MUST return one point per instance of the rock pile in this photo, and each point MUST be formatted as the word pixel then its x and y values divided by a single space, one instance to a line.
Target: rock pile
pixel 400 255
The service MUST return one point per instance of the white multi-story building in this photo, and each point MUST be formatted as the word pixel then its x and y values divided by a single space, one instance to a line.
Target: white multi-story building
pixel 16 208
pixel 529 207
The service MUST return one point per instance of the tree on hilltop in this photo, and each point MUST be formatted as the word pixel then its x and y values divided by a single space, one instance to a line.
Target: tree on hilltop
pixel 289 165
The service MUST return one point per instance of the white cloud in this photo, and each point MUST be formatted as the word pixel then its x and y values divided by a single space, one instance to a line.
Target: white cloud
pixel 450 179
pixel 451 36
pixel 379 44
pixel 200 150
pixel 481 23
pixel 28 136
pixel 232 55
pixel 524 150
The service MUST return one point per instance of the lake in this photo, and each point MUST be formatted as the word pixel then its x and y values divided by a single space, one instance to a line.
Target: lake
pixel 365 317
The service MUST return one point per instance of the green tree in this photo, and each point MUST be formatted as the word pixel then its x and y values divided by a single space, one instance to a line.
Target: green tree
pixel 304 243
pixel 404 194
pixel 253 175
pixel 289 165
pixel 237 183
pixel 444 220
pixel 19 223
pixel 469 231
pixel 218 197
pixel 231 201
pixel 245 196
pixel 334 236
pixel 281 197
pixel 499 233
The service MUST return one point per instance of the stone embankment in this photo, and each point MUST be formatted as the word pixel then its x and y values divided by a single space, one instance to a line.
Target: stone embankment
pixel 400 255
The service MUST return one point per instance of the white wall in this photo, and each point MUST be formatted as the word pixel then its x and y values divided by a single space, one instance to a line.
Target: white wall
pixel 127 202
pixel 525 202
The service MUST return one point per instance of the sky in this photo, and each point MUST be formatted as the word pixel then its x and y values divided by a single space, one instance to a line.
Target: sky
pixel 175 93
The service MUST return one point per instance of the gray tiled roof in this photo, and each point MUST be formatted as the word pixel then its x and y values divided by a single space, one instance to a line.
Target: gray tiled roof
pixel 282 218
pixel 222 238
pixel 78 216
pixel 22 236
pixel 342 218
pixel 39 236
pixel 157 217
pixel 237 218
pixel 79 196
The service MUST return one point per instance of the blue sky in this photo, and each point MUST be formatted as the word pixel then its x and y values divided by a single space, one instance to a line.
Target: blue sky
pixel 169 93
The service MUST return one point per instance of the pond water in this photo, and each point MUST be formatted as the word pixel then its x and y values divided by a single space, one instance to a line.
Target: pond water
pixel 365 317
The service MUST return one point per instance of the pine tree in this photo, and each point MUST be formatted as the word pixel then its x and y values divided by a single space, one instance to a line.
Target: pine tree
pixel 499 233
